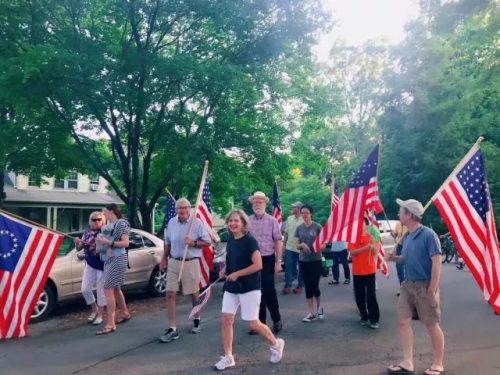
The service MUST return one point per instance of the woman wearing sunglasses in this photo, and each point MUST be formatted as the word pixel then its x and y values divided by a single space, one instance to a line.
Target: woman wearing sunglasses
pixel 92 273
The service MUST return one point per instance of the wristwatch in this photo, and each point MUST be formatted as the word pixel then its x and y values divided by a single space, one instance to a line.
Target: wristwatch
pixel 195 243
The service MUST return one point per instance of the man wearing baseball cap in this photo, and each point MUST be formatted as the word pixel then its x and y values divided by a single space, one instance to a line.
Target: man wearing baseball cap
pixel 421 256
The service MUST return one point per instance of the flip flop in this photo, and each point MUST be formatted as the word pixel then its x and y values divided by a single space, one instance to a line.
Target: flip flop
pixel 124 319
pixel 398 369
pixel 105 331
pixel 431 371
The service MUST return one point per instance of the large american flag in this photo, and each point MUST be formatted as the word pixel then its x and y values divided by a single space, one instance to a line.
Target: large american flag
pixel 464 202
pixel 345 222
pixel 374 229
pixel 27 254
pixel 204 213
pixel 277 214
pixel 326 232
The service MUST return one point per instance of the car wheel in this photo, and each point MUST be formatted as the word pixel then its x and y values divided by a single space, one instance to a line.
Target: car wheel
pixel 45 304
pixel 158 283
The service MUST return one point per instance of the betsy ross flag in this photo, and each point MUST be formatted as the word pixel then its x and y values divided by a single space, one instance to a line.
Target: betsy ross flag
pixel 204 213
pixel 201 302
pixel 27 254
pixel 326 232
pixel 374 230
pixel 277 204
pixel 464 203
pixel 345 222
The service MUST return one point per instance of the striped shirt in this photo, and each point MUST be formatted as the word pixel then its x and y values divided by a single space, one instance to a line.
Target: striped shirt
pixel 266 231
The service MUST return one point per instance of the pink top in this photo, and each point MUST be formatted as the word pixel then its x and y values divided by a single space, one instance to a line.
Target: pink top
pixel 266 230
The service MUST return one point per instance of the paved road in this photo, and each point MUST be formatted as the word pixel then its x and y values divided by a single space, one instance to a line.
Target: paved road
pixel 338 345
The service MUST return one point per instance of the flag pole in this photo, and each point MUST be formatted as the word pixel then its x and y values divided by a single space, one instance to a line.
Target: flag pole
pixel 460 165
pixel 36 224
pixel 169 193
pixel 198 199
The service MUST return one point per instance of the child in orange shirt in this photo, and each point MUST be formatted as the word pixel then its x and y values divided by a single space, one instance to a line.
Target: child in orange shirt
pixel 364 268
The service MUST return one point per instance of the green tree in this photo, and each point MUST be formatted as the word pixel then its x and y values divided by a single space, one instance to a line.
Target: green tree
pixel 163 85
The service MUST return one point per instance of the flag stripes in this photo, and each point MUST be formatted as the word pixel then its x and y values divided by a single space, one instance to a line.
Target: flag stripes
pixel 21 286
pixel 464 203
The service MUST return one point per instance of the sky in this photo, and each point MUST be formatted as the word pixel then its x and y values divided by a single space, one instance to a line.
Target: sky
pixel 360 20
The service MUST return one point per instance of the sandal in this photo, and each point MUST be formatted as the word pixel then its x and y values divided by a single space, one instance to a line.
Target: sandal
pixel 431 371
pixel 124 319
pixel 398 369
pixel 105 331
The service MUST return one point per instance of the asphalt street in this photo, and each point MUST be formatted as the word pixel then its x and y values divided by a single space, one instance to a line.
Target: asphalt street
pixel 338 345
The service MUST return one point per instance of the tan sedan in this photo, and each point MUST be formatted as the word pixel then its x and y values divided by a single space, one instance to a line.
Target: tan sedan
pixel 65 278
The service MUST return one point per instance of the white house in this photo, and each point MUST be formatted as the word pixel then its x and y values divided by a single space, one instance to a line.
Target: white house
pixel 61 204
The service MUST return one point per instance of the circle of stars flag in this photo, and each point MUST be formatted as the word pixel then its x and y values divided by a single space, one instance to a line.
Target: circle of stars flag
pixel 27 253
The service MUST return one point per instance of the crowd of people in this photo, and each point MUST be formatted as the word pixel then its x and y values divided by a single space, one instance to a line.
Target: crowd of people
pixel 254 256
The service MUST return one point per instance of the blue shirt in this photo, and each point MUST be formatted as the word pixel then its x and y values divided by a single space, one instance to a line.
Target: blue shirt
pixel 177 230
pixel 339 246
pixel 418 248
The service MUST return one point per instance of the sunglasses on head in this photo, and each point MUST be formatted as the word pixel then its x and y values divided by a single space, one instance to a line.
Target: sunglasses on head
pixel 98 219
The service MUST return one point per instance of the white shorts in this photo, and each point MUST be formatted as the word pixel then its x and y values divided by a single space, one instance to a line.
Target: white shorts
pixel 250 304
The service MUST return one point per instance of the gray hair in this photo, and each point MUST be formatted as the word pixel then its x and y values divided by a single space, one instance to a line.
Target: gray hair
pixel 414 217
pixel 181 201
pixel 96 213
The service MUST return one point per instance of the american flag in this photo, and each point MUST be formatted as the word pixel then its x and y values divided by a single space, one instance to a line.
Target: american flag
pixel 374 230
pixel 326 232
pixel 464 203
pixel 201 302
pixel 27 254
pixel 345 222
pixel 277 204
pixel 204 213
pixel 169 209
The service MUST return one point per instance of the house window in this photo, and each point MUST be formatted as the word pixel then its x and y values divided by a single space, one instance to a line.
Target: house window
pixel 94 179
pixel 72 180
pixel 59 184
pixel 34 181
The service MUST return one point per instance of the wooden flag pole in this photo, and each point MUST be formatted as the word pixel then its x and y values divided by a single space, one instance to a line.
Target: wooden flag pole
pixel 169 193
pixel 460 165
pixel 198 200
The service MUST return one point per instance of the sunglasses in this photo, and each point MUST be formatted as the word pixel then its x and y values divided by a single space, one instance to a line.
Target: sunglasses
pixel 97 219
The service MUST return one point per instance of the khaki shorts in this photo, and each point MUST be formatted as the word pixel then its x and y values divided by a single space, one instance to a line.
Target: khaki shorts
pixel 190 279
pixel 414 301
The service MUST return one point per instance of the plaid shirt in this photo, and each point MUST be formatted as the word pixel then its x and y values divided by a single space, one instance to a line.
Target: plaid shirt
pixel 266 230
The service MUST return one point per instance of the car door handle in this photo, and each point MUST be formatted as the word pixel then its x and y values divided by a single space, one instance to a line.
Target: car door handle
pixel 152 252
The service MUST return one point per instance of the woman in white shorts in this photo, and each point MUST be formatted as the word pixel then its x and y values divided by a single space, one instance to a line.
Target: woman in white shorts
pixel 242 288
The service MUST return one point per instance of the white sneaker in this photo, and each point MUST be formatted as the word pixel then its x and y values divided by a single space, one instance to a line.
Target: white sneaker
pixel 97 321
pixel 321 313
pixel 277 351
pixel 91 317
pixel 225 362
pixel 309 318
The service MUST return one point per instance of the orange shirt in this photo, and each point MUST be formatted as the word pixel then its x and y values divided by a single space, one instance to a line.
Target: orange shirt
pixel 364 263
